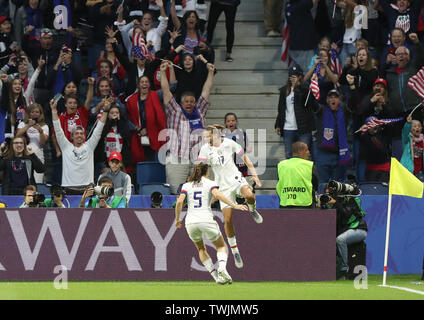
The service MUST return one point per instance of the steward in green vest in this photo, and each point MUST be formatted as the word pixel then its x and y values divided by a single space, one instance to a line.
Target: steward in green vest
pixel 297 181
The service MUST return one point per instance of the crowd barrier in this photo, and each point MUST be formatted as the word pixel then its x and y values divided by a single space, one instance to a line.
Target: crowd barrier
pixel 144 244
pixel 406 248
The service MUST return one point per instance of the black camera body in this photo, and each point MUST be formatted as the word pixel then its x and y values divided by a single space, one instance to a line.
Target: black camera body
pixel 339 190
pixel 37 200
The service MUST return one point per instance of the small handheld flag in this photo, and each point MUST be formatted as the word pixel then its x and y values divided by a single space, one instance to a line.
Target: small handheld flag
pixel 374 122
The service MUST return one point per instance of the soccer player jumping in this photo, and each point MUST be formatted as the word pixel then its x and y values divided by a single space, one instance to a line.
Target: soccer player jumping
pixel 219 152
pixel 199 219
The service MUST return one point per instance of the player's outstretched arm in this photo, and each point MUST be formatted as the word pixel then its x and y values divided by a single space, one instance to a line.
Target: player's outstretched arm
pixel 252 170
pixel 223 198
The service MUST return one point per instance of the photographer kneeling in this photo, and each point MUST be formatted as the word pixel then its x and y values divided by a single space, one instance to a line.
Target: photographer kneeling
pixel 57 196
pixel 351 227
pixel 104 196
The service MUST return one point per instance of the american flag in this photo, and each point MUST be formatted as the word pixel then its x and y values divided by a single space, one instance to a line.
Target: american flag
pixel 417 83
pixel 285 45
pixel 314 87
pixel 335 63
pixel 139 47
pixel 374 122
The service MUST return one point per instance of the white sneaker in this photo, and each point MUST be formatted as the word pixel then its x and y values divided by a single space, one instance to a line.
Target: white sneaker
pixel 224 275
pixel 273 34
pixel 256 216
pixel 237 260
pixel 221 280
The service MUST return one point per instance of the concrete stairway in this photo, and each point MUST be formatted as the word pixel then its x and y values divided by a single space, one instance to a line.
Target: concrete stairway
pixel 249 85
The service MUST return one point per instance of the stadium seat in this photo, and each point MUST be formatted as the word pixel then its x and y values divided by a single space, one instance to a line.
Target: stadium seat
pixel 374 188
pixel 150 172
pixel 148 189
pixel 43 188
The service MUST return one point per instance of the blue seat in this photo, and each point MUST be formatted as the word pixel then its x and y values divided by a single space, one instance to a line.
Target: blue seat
pixel 374 188
pixel 150 172
pixel 148 189
pixel 43 188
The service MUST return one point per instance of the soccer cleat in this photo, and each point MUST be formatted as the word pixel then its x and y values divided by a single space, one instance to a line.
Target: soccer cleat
pixel 224 275
pixel 220 280
pixel 256 216
pixel 237 260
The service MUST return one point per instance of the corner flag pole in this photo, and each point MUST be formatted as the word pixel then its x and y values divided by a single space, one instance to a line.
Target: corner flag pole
pixel 386 250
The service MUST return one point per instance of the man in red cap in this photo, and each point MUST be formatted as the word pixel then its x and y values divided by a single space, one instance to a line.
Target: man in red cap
pixel 121 180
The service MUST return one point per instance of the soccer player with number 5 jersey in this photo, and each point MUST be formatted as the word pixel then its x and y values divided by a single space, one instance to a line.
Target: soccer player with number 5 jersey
pixel 199 219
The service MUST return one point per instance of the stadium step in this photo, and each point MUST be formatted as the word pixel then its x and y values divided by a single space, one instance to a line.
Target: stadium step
pixel 249 86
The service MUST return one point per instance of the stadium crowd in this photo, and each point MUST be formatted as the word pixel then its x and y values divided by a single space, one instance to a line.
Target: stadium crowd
pixel 117 73
pixel 355 87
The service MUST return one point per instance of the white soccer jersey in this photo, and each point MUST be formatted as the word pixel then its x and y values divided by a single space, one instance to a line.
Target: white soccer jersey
pixel 221 160
pixel 199 196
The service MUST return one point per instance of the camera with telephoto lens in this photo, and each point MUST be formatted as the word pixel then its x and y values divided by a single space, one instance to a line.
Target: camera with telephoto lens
pixel 103 191
pixel 338 189
pixel 37 200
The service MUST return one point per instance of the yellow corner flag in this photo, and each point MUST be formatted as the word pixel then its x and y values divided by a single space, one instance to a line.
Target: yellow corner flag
pixel 403 182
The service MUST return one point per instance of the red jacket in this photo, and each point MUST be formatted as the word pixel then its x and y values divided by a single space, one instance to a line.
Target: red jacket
pixel 155 122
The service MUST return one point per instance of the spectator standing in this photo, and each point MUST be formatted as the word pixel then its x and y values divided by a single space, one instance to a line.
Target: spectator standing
pixel 145 111
pixel 18 164
pixel 102 14
pixel 232 131
pixel 295 120
pixel 401 97
pixel 7 45
pixel 303 38
pixel 191 36
pixel 28 22
pixel 229 7
pixel 115 137
pixel 403 15
pixel 374 149
pixel 64 71
pixel 192 76
pixel 183 122
pixel 36 131
pixel 273 10
pixel 78 155
pixel 388 57
pixel 323 73
pixel 332 152
pixel 413 147
pixel 49 54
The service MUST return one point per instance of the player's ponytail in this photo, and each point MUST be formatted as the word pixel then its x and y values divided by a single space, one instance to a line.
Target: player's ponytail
pixel 199 171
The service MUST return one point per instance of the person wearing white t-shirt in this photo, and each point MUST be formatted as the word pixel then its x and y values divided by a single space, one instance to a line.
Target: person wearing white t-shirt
pixel 199 221
pixel 219 154
pixel 78 155
pixel 36 130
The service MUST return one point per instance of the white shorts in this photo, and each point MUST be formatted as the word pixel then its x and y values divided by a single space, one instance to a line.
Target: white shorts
pixel 209 229
pixel 232 191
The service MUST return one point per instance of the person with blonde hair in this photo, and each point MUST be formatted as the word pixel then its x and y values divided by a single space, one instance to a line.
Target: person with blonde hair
pixel 219 154
pixel 198 192
pixel 35 129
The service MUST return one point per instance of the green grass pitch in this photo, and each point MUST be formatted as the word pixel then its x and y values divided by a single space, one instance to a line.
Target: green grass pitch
pixel 199 290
